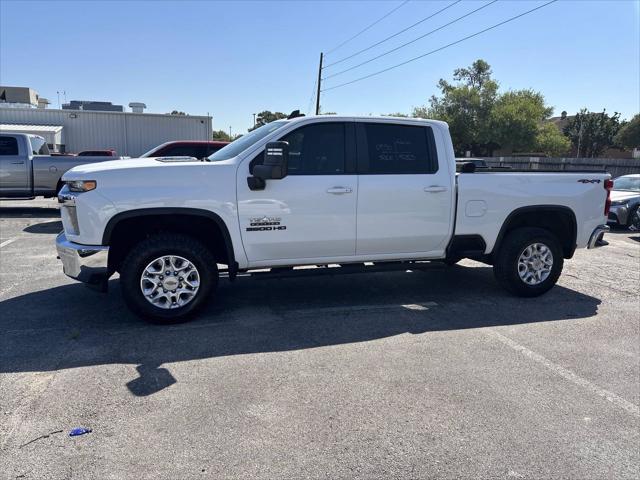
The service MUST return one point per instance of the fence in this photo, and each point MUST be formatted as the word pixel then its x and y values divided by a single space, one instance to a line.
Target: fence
pixel 615 166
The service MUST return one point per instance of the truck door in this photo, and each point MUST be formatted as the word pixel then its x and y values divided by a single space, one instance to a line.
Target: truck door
pixel 404 197
pixel 311 213
pixel 15 178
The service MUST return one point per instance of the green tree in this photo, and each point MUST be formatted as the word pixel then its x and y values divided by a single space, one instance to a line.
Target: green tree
pixel 466 107
pixel 591 133
pixel 176 112
pixel 221 135
pixel 550 141
pixel 629 134
pixel 266 116
pixel 516 118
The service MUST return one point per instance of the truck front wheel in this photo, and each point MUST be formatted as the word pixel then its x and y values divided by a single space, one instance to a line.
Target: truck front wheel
pixel 167 278
pixel 529 262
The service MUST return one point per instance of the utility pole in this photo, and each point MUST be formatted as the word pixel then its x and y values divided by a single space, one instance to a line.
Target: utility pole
pixel 580 135
pixel 230 133
pixel 319 81
pixel 254 120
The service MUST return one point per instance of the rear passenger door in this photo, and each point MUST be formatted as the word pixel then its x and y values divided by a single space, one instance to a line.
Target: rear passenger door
pixel 404 196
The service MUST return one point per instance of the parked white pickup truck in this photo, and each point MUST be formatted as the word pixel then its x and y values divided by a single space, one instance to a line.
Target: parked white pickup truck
pixel 318 191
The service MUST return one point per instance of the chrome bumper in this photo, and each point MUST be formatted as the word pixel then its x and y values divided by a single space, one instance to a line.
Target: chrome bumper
pixel 86 263
pixel 596 237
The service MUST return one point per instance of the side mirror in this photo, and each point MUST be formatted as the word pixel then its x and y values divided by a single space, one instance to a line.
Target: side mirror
pixel 276 159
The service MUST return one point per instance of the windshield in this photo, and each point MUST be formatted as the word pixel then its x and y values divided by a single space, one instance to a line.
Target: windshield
pixel 151 152
pixel 245 141
pixel 627 183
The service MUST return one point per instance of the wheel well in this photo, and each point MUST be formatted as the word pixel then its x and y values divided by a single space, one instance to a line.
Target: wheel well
pixel 121 234
pixel 561 221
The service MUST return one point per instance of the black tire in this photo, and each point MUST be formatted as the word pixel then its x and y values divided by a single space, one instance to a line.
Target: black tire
pixel 505 267
pixel 450 262
pixel 141 255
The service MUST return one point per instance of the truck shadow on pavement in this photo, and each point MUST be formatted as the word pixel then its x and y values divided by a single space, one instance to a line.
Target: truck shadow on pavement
pixel 44 227
pixel 71 326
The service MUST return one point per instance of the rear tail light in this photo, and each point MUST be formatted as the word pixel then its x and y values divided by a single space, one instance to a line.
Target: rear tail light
pixel 608 185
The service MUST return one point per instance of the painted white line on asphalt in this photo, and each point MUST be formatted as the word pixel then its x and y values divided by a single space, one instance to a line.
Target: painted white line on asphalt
pixel 7 242
pixel 632 408
pixel 360 308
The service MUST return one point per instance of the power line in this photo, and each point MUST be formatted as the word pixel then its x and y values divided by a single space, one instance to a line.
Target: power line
pixel 441 48
pixel 409 42
pixel 394 35
pixel 367 28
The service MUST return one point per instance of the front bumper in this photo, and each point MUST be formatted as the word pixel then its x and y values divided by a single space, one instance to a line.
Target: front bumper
pixel 596 239
pixel 85 263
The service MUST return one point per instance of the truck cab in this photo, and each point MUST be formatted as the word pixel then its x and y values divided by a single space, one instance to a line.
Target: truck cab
pixel 16 166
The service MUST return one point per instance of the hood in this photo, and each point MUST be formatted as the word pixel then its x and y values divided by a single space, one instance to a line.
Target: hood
pixel 621 195
pixel 133 163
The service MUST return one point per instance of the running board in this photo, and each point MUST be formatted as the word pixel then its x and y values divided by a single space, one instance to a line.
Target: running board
pixel 337 269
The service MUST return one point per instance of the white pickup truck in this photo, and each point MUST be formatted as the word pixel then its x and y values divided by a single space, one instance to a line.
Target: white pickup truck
pixel 369 193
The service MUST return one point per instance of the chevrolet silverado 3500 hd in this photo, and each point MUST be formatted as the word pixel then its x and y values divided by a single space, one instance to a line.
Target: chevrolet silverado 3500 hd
pixel 318 191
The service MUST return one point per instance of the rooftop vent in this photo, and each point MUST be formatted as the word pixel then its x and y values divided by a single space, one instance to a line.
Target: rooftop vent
pixel 137 107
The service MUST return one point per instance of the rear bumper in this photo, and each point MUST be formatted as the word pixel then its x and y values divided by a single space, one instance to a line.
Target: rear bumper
pixel 619 214
pixel 596 237
pixel 85 263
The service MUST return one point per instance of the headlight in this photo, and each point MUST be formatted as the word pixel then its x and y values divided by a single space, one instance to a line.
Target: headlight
pixel 82 185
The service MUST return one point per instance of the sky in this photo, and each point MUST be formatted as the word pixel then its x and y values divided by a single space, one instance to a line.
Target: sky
pixel 233 59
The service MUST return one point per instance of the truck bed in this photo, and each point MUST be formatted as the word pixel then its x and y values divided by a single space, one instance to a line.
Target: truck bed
pixel 486 199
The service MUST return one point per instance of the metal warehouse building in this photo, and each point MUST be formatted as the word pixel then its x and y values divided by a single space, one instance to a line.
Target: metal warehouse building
pixel 130 134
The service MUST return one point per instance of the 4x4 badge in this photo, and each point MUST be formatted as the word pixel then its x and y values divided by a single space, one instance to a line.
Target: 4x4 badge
pixel 589 180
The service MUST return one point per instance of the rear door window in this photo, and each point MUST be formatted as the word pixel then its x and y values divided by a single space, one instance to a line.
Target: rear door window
pixel 385 148
pixel 8 146
pixel 39 146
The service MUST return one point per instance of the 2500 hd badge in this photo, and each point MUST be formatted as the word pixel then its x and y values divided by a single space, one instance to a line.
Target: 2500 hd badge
pixel 265 224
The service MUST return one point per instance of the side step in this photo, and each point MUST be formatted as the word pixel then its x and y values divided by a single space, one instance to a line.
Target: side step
pixel 338 269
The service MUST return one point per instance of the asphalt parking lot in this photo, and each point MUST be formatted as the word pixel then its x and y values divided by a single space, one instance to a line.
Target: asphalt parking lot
pixel 435 373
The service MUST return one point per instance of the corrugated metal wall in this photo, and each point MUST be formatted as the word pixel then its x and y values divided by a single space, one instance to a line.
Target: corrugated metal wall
pixel 129 134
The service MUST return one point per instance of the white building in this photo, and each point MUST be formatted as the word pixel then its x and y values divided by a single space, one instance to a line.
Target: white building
pixel 130 134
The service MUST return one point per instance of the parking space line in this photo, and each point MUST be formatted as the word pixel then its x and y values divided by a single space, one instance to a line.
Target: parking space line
pixel 632 408
pixel 7 242
pixel 359 308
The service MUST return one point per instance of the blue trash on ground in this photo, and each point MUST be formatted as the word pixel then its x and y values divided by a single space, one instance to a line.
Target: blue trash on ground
pixel 79 431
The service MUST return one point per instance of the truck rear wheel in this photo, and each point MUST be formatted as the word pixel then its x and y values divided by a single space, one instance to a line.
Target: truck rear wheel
pixel 168 277
pixel 529 262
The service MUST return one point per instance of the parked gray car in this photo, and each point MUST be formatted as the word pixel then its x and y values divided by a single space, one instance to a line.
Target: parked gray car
pixel 27 170
pixel 625 199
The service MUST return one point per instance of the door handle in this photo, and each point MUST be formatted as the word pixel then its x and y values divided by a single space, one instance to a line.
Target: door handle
pixel 339 190
pixel 17 163
pixel 435 189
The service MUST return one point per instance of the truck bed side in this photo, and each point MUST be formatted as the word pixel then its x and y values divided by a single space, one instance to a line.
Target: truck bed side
pixel 486 200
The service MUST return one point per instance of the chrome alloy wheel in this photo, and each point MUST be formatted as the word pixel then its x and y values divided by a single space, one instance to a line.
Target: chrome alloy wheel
pixel 170 282
pixel 535 264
